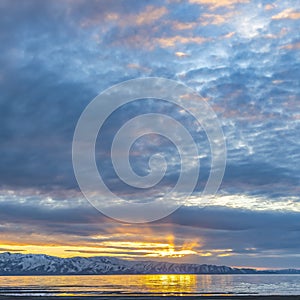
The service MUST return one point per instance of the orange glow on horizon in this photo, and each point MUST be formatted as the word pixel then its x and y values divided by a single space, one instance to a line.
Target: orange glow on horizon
pixel 124 249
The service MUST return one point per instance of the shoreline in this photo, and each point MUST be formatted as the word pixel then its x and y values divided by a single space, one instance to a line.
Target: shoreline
pixel 143 274
pixel 149 297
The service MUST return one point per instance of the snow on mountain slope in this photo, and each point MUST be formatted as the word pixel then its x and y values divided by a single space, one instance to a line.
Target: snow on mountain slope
pixel 39 264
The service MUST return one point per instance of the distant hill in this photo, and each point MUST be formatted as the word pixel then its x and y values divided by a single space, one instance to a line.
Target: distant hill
pixel 39 264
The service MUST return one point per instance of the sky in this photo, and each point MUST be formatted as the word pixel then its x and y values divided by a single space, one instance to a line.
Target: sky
pixel 242 57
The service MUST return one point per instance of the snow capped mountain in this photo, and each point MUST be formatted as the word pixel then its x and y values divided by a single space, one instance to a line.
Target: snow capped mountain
pixel 39 264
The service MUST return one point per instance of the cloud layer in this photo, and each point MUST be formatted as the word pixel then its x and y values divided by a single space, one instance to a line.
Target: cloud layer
pixel 241 56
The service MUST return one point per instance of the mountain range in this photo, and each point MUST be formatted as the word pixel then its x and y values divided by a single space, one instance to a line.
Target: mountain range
pixel 40 264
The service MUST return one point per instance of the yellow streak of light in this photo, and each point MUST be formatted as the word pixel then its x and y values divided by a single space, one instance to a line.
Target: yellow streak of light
pixel 205 254
pixel 225 254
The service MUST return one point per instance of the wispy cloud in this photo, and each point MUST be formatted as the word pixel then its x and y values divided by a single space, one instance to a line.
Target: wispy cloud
pixel 288 13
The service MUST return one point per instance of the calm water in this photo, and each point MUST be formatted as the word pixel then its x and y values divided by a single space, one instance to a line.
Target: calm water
pixel 151 284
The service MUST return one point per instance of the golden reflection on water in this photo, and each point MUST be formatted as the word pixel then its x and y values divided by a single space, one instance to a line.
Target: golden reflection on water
pixel 177 283
pixel 67 285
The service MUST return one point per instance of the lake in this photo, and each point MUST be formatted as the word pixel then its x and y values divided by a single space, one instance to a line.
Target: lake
pixel 150 285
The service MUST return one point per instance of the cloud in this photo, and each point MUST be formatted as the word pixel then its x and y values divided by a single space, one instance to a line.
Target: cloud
pixel 288 13
pixel 236 74
pixel 216 4
pixel 10 250
pixel 183 26
pixel 215 19
pixel 150 15
pixel 174 40
pixel 181 54
pixel 294 46
pixel 211 234
pixel 270 6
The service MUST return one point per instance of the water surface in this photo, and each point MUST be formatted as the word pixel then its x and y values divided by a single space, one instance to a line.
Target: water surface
pixel 151 285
